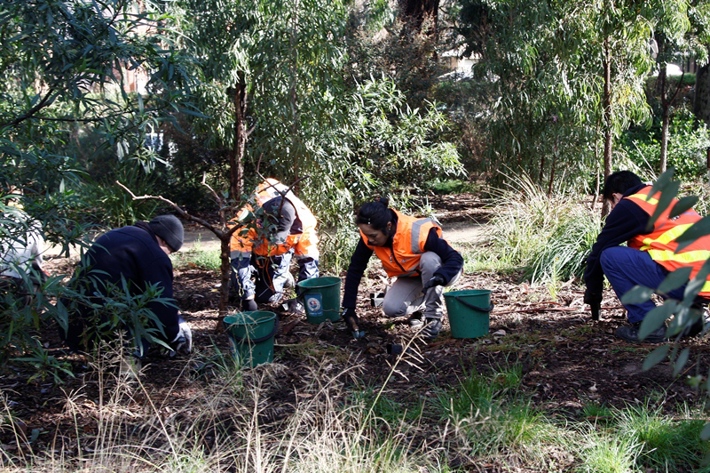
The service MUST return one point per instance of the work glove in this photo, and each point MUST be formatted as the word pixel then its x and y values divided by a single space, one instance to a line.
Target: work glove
pixel 183 341
pixel 436 280
pixel 249 305
pixel 352 322
pixel 594 299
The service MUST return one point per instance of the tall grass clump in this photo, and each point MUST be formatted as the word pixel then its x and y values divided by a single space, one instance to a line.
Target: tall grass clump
pixel 493 422
pixel 545 236
pixel 666 443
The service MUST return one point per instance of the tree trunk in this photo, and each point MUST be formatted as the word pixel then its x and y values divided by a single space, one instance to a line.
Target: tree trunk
pixel 607 117
pixel 701 102
pixel 415 11
pixel 236 157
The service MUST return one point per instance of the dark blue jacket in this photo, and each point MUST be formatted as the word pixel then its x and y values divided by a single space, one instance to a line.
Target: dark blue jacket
pixel 132 252
pixel 625 221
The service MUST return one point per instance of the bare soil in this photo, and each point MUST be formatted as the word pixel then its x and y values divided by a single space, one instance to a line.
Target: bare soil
pixel 568 360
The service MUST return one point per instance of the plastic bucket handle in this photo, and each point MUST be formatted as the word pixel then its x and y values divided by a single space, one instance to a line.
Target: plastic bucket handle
pixel 256 340
pixel 472 306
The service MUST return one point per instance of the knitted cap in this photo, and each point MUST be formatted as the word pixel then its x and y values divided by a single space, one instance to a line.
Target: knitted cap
pixel 169 228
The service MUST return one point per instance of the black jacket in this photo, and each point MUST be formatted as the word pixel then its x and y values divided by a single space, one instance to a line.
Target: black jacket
pixel 625 221
pixel 451 264
pixel 132 252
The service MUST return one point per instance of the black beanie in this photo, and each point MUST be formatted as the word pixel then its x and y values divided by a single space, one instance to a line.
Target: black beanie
pixel 169 228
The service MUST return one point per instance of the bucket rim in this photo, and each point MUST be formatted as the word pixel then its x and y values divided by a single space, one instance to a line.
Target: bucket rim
pixel 468 292
pixel 312 283
pixel 255 317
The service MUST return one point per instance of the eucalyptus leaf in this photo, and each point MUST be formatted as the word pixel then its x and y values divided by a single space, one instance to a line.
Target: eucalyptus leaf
pixel 674 280
pixel 637 295
pixel 705 433
pixel 681 361
pixel 697 230
pixel 664 201
pixel 683 204
pixel 655 357
pixel 656 317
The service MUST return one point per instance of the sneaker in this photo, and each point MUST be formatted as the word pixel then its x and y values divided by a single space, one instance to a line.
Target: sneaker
pixel 416 320
pixel 431 329
pixel 630 333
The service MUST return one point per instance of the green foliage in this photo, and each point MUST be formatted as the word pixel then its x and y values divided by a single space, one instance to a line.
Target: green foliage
pixel 665 443
pixel 548 236
pixel 199 257
pixel 688 142
pixel 119 307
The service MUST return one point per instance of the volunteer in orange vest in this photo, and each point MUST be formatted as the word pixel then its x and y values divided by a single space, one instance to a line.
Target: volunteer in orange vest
pixel 413 251
pixel 648 257
pixel 277 226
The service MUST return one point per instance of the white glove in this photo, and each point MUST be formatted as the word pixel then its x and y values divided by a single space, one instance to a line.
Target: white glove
pixel 183 341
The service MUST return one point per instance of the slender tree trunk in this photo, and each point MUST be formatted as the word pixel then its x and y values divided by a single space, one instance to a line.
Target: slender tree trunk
pixel 238 96
pixel 701 102
pixel 607 116
pixel 293 94
pixel 236 157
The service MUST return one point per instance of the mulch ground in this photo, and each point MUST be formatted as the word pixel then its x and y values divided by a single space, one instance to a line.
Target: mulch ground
pixel 568 360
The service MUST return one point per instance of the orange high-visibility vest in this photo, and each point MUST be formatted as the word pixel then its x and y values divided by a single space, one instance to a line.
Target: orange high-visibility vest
pixel 407 245
pixel 246 240
pixel 660 242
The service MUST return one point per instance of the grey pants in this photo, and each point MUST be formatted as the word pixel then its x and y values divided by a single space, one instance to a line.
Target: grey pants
pixel 405 296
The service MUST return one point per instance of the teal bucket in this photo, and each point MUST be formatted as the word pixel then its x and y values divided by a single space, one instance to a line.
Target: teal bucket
pixel 321 298
pixel 469 312
pixel 251 335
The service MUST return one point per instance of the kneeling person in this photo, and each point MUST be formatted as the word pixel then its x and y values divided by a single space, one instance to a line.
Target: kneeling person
pixel 134 259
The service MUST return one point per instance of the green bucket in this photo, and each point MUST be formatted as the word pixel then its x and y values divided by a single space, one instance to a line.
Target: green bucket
pixel 469 312
pixel 321 298
pixel 251 335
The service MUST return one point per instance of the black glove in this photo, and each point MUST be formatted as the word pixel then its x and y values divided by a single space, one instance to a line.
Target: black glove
pixel 594 299
pixel 352 322
pixel 436 280
pixel 249 305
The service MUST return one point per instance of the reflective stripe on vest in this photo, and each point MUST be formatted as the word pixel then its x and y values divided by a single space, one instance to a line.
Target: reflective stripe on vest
pixel 407 245
pixel 660 242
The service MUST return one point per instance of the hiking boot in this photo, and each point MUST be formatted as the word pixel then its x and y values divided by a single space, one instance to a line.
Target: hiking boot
pixel 431 329
pixel 416 320
pixel 630 333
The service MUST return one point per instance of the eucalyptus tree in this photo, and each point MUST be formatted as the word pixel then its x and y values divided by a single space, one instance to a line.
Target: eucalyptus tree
pixel 564 78
pixel 64 66
pixel 270 71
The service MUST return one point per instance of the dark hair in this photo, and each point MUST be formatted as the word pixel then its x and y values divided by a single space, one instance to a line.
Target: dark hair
pixel 375 213
pixel 620 182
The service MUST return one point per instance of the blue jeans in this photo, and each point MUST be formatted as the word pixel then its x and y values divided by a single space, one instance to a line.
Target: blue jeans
pixel 625 268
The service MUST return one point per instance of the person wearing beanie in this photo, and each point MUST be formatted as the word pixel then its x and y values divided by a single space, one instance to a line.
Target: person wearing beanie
pixel 133 257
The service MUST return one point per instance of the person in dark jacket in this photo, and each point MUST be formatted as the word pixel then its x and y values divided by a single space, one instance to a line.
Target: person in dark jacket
pixel 649 256
pixel 411 250
pixel 138 255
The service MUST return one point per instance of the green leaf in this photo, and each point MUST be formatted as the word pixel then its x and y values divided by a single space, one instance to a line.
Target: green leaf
pixel 655 357
pixel 705 433
pixel 684 204
pixel 681 361
pixel 674 280
pixel 697 230
pixel 664 201
pixel 637 295
pixel 656 317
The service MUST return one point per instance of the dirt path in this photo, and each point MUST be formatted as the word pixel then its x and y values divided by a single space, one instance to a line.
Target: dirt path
pixel 454 232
